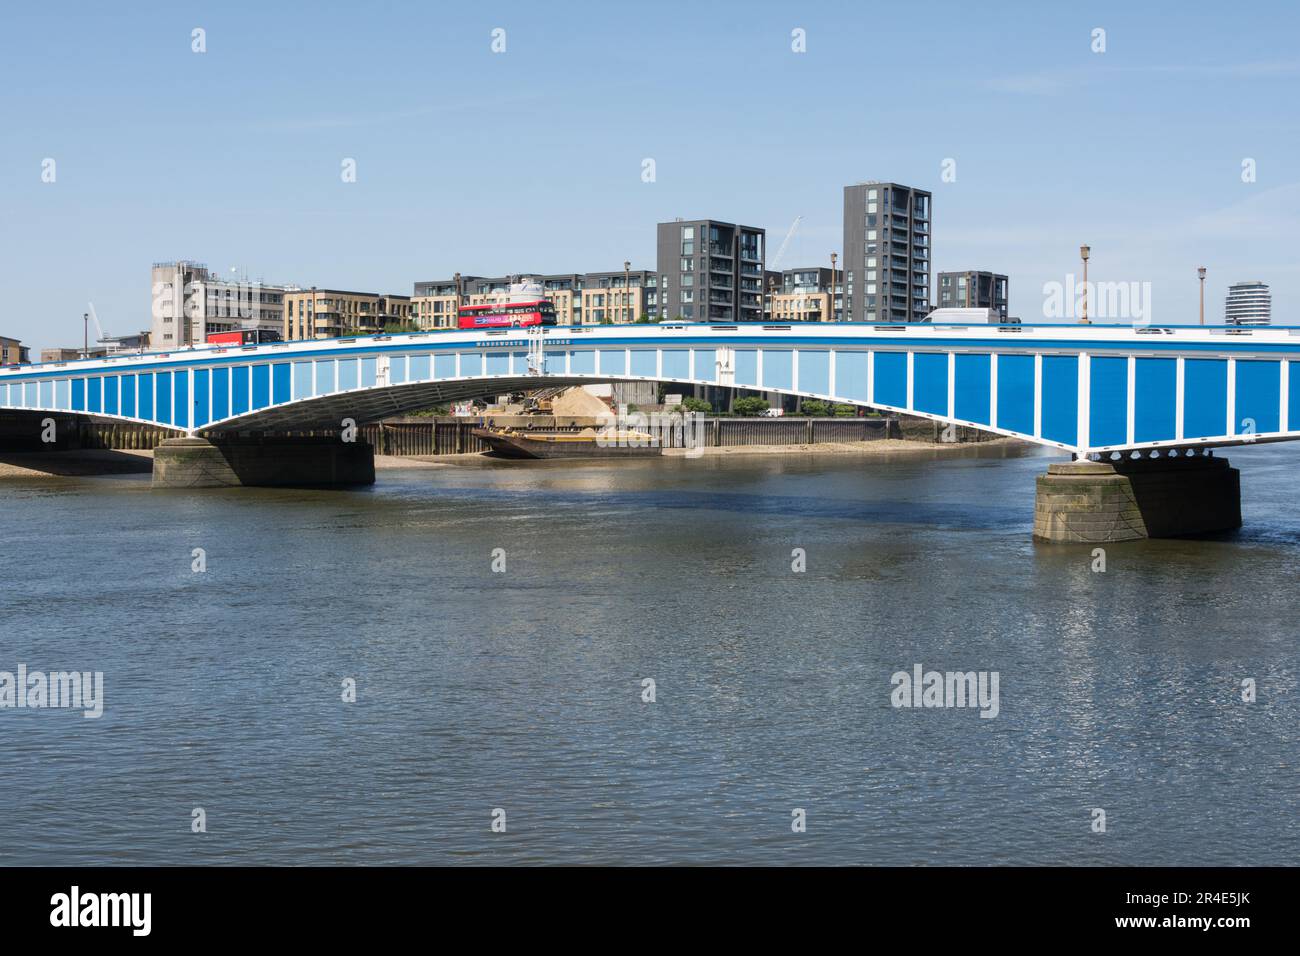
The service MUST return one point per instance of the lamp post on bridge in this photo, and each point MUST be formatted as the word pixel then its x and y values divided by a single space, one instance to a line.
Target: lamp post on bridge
pixel 456 316
pixel 1083 254
pixel 1201 273
pixel 830 299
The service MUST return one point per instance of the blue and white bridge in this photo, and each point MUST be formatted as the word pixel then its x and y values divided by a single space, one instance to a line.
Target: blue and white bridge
pixel 1082 389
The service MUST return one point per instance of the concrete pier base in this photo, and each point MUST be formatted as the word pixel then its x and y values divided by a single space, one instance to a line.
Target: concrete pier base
pixel 1105 501
pixel 262 462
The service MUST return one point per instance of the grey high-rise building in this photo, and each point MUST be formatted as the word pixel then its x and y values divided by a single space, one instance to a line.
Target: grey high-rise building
pixel 886 268
pixel 1248 303
pixel 711 271
pixel 973 290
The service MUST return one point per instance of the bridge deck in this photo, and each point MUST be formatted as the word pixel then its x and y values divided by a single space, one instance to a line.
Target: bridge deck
pixel 1079 388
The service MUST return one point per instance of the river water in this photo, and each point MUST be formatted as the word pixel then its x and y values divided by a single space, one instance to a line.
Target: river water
pixel 522 690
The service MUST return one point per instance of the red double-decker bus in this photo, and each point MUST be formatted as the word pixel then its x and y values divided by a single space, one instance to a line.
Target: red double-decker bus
pixel 507 315
pixel 243 337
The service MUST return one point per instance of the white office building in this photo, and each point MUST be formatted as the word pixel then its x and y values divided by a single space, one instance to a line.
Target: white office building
pixel 189 301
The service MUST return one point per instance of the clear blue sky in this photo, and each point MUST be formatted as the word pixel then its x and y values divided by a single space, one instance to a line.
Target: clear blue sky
pixel 530 160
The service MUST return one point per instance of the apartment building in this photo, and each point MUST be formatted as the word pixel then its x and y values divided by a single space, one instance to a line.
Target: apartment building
pixel 973 290
pixel 436 303
pixel 886 269
pixel 710 271
pixel 800 295
pixel 71 355
pixel 13 352
pixel 189 302
pixel 612 298
pixel 591 297
pixel 333 313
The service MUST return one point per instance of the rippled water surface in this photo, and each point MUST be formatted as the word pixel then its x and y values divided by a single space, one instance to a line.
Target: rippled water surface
pixel 523 690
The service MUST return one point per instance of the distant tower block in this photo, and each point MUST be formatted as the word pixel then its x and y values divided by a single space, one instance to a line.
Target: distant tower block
pixel 1248 303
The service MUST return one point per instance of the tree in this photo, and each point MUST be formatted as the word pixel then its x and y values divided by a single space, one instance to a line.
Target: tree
pixel 693 404
pixel 750 405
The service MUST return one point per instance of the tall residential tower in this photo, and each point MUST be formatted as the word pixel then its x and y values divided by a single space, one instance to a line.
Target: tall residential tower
pixel 711 271
pixel 886 268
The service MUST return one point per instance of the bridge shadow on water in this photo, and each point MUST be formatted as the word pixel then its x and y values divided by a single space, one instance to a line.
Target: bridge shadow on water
pixel 881 511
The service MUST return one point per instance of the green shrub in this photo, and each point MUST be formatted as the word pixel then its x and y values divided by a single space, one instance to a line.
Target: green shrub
pixel 750 406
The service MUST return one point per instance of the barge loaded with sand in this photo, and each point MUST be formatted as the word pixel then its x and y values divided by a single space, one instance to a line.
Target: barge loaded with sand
pixel 584 443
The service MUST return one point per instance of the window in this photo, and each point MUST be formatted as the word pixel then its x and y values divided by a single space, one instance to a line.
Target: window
pixel 871 234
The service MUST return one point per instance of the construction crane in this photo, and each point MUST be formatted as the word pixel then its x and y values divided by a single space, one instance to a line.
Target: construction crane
pixel 776 262
pixel 785 244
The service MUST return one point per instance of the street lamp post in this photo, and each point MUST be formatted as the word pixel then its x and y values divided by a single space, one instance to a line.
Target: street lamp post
pixel 830 298
pixel 627 288
pixel 85 335
pixel 456 316
pixel 1201 273
pixel 1083 254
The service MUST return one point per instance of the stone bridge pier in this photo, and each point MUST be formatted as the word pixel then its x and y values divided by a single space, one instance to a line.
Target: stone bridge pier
pixel 1099 502
pixel 267 462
